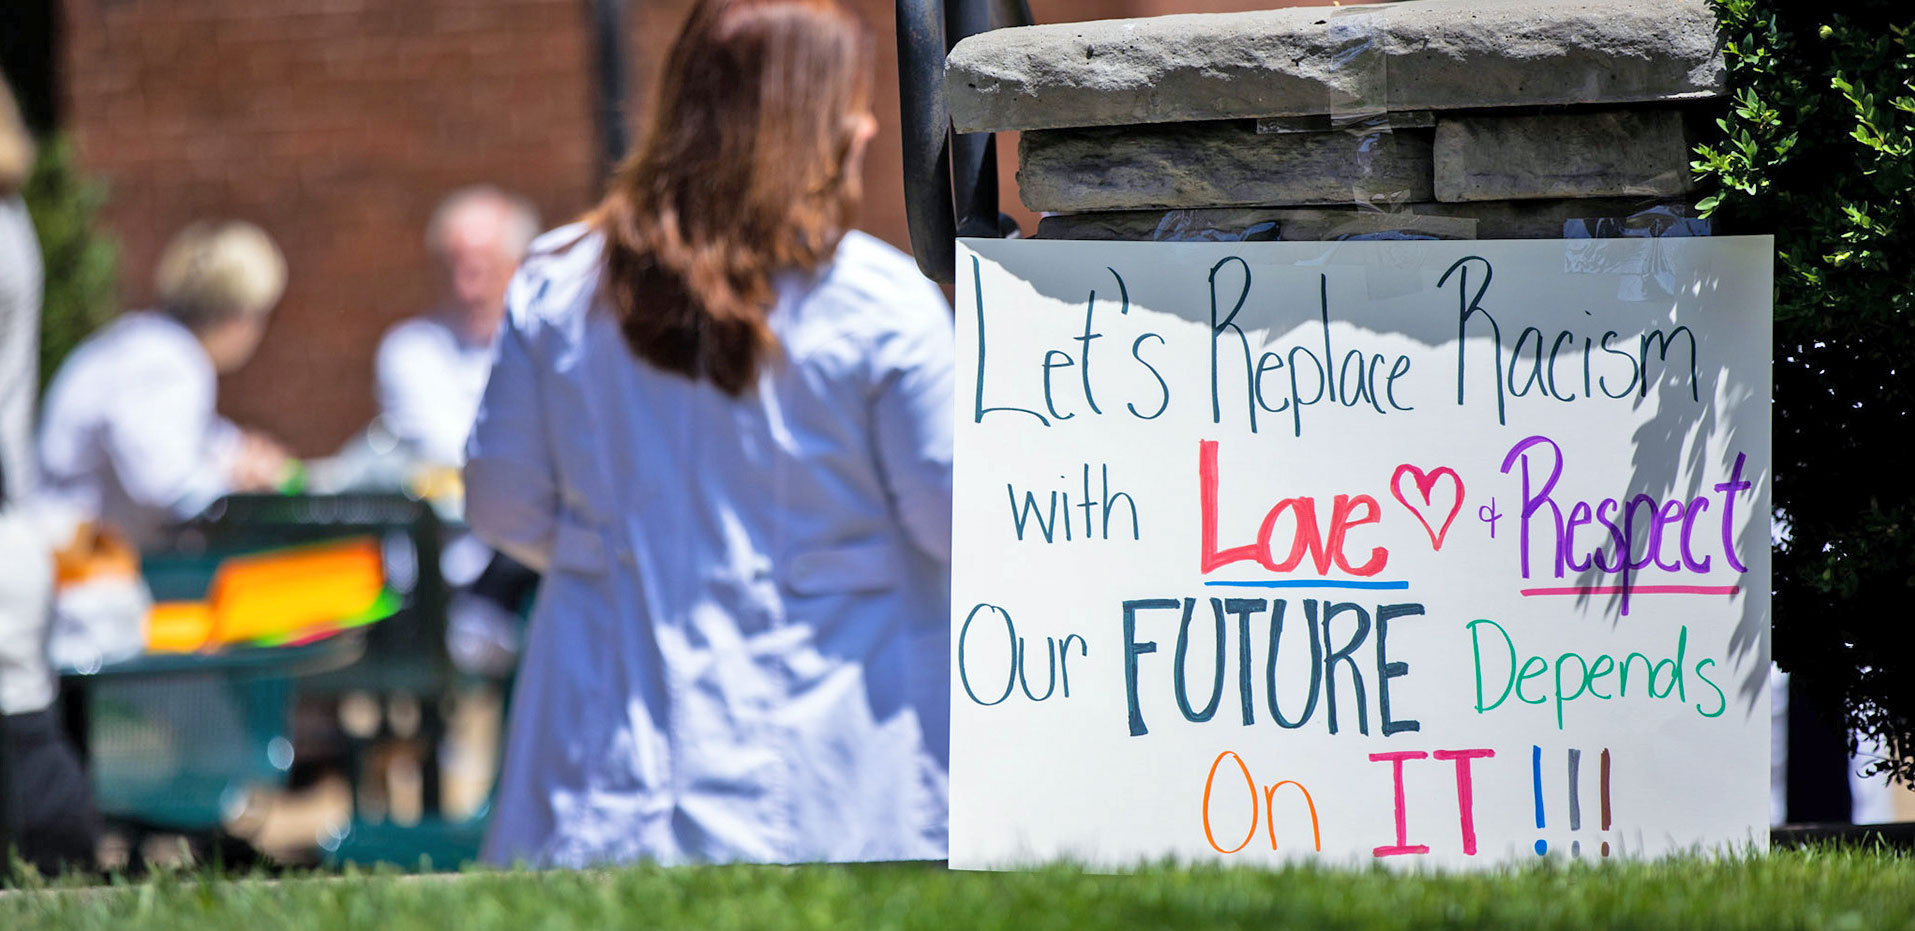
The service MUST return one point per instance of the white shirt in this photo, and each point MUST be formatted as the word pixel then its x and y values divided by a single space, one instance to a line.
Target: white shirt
pixel 740 648
pixel 26 567
pixel 128 433
pixel 429 383
pixel 19 346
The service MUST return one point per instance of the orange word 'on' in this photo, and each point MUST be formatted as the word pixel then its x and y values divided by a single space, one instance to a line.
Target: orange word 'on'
pixel 1264 803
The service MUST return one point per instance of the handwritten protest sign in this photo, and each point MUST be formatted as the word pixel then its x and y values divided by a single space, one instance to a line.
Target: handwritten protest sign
pixel 1412 552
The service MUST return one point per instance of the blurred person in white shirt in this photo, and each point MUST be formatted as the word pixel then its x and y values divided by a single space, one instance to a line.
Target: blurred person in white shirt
pixel 130 434
pixel 432 369
pixel 431 372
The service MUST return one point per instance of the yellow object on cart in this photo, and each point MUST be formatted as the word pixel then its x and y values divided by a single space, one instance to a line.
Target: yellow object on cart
pixel 278 597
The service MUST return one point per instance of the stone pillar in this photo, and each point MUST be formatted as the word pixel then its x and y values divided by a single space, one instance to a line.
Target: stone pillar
pixel 1489 119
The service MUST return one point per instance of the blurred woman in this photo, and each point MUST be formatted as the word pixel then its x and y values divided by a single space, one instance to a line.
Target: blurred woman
pixel 20 275
pixel 129 435
pixel 46 805
pixel 720 423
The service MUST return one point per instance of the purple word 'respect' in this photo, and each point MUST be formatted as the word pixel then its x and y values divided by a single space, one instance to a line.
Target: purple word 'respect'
pixel 1636 533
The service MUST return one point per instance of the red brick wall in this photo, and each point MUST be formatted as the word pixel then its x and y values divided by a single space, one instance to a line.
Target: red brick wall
pixel 338 124
pixel 336 128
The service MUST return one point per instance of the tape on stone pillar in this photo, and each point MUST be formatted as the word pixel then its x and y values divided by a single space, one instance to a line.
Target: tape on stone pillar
pixel 1359 105
pixel 1359 69
pixel 1641 274
pixel 1196 225
pixel 1599 246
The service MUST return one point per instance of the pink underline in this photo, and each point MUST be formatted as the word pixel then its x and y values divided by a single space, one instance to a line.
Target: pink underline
pixel 1636 590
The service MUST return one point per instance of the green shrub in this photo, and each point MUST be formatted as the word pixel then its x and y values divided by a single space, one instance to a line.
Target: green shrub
pixel 1818 148
pixel 82 261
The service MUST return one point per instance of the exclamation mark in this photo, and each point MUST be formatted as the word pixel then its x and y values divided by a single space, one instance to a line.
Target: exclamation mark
pixel 1605 798
pixel 1575 801
pixel 1536 780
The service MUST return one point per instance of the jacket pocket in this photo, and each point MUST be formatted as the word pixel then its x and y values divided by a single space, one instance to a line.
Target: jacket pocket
pixel 578 548
pixel 863 567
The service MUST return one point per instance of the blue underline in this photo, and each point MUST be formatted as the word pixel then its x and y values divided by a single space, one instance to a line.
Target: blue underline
pixel 1309 583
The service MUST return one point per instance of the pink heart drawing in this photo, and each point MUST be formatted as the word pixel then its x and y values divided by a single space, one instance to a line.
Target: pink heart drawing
pixel 1426 483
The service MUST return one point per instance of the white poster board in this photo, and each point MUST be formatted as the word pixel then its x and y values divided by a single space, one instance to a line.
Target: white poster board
pixel 1415 552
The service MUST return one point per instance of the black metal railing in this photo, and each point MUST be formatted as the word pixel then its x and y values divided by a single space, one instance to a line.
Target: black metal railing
pixel 950 179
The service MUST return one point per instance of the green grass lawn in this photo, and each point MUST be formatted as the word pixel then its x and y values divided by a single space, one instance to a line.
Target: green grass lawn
pixel 1817 888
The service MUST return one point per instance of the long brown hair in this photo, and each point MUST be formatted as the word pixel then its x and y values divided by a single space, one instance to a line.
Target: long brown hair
pixel 741 174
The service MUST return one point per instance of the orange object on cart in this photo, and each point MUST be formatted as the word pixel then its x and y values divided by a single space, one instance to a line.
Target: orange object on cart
pixel 179 626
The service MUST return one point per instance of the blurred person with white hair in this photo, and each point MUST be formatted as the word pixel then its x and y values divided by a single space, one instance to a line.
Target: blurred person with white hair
pixel 431 372
pixel 432 369
pixel 130 435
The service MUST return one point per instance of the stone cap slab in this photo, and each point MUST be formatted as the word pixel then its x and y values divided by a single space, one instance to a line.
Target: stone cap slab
pixel 1304 61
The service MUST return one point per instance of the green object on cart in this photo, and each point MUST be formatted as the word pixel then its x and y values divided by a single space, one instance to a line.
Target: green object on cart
pixel 434 843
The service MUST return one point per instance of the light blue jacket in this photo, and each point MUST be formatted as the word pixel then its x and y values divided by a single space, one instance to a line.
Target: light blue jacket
pixel 740 650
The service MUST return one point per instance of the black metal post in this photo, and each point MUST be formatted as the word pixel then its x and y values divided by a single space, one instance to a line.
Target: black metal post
pixel 927 134
pixel 608 44
pixel 1008 13
pixel 973 155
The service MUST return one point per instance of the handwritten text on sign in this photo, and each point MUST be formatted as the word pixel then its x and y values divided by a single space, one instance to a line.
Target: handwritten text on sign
pixel 1443 552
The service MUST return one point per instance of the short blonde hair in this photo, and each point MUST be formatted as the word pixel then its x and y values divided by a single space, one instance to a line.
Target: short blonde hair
pixel 214 272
